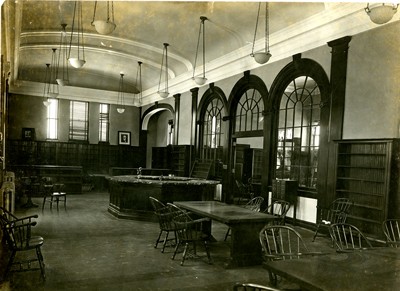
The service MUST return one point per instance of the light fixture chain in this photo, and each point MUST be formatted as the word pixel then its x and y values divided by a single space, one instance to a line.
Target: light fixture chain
pixel 72 31
pixel 204 47
pixel 94 12
pixel 266 28
pixel 162 64
pixel 255 31
pixel 197 51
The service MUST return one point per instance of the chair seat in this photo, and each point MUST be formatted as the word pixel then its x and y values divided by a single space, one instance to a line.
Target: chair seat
pixel 32 243
pixel 59 194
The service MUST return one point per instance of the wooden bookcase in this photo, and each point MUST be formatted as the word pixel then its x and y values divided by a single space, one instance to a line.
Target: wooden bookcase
pixel 180 155
pixel 367 172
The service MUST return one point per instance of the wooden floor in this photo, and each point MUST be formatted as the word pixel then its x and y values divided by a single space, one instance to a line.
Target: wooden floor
pixel 86 248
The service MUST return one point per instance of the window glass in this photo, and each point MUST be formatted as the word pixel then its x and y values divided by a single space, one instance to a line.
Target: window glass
pixel 78 120
pixel 52 119
pixel 212 130
pixel 298 132
pixel 249 111
pixel 104 121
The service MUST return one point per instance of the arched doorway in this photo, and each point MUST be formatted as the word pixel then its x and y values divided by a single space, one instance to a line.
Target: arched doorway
pixel 158 124
pixel 246 133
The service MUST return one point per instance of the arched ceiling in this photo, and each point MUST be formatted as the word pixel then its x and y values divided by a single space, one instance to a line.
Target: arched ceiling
pixel 33 29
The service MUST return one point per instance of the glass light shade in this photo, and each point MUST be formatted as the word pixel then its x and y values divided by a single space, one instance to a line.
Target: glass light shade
pixel 62 82
pixel 381 14
pixel 104 27
pixel 53 95
pixel 200 80
pixel 76 63
pixel 163 94
pixel 46 103
pixel 120 110
pixel 262 58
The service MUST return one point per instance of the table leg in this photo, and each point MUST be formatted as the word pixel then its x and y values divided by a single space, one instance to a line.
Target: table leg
pixel 245 245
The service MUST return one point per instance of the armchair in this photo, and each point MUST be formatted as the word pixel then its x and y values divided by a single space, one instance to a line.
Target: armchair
pixel 336 213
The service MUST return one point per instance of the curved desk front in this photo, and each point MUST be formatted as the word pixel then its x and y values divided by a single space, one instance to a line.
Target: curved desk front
pixel 129 195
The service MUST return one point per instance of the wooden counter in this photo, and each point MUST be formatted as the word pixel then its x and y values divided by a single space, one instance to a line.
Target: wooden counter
pixel 129 195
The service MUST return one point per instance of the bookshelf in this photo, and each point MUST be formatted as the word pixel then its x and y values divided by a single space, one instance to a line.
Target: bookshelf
pixel 367 172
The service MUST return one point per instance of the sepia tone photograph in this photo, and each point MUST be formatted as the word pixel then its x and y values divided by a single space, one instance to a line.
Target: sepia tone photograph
pixel 194 145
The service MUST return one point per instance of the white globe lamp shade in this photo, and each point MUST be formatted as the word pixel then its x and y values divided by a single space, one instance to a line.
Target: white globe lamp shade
pixel 76 63
pixel 200 80
pixel 262 58
pixel 62 82
pixel 104 27
pixel 120 110
pixel 163 94
pixel 381 14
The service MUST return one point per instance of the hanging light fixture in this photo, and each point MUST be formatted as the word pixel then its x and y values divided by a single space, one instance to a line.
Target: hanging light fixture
pixel 201 80
pixel 46 101
pixel 139 81
pixel 164 64
pixel 53 86
pixel 104 26
pixel 62 76
pixel 381 14
pixel 262 57
pixel 120 104
pixel 79 60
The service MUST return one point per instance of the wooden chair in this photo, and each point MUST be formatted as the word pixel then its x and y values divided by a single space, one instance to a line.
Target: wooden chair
pixel 165 217
pixel 391 229
pixel 278 208
pixel 280 242
pixel 336 213
pixel 252 287
pixel 54 193
pixel 17 232
pixel 244 192
pixel 347 237
pixel 253 205
pixel 155 203
pixel 190 231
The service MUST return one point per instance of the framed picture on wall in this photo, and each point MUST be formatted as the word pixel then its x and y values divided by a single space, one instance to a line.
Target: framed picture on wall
pixel 124 137
pixel 28 133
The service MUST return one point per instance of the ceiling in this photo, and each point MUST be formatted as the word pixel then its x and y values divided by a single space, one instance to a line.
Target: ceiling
pixel 33 28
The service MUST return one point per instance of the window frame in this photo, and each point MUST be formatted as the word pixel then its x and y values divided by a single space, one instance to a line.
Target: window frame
pixel 74 121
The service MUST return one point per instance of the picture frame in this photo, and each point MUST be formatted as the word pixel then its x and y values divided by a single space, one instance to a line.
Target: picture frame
pixel 28 133
pixel 124 138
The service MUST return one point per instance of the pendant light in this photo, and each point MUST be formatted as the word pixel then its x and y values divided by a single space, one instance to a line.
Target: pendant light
pixel 120 102
pixel 104 26
pixel 262 57
pixel 381 14
pixel 78 60
pixel 62 76
pixel 53 86
pixel 46 101
pixel 201 80
pixel 139 82
pixel 164 64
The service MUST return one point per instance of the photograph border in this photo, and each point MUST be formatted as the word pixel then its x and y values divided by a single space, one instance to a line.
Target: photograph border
pixel 121 141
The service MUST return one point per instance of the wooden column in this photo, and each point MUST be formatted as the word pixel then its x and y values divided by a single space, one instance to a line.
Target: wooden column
pixel 338 78
pixel 177 98
pixel 193 131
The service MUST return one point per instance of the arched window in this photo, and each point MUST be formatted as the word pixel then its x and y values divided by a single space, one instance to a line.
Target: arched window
pixel 249 111
pixel 298 132
pixel 213 134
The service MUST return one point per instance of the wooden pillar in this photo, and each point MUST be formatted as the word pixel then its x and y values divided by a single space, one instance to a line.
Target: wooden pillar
pixel 338 78
pixel 193 131
pixel 177 98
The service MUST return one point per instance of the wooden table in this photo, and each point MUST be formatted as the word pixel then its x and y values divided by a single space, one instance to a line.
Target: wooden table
pixel 245 227
pixel 372 269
